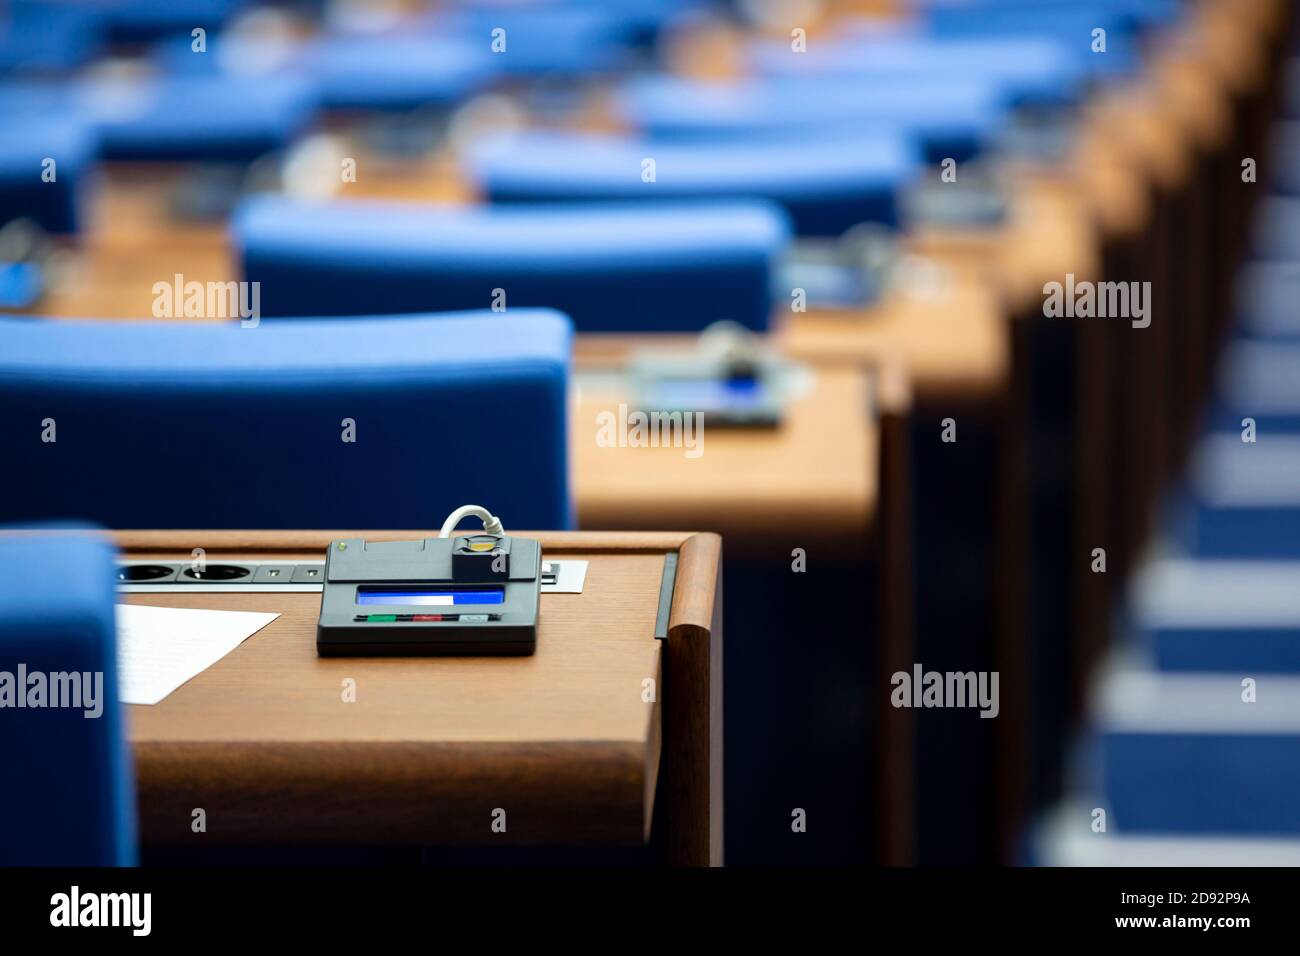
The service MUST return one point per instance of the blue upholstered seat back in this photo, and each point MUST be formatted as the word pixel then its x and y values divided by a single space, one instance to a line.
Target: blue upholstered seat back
pixel 1184 754
pixel 617 268
pixel 826 186
pixel 203 425
pixel 1071 23
pixel 882 69
pixel 564 40
pixel 347 72
pixel 68 797
pixel 140 21
pixel 44 168
pixel 946 119
pixel 176 118
pixel 38 37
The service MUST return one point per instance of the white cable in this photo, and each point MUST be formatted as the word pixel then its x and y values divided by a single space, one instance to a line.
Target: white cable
pixel 491 523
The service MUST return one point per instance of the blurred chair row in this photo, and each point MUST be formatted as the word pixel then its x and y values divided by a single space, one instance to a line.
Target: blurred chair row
pixel 1193 734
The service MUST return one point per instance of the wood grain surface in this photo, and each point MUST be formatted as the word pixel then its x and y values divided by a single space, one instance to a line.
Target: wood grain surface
pixel 949 332
pixel 693 711
pixel 814 474
pixel 562 740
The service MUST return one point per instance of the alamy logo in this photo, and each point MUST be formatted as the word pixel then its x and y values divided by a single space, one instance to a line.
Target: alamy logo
pixel 922 688
pixel 651 430
pixel 1102 300
pixel 75 908
pixel 208 300
pixel 78 690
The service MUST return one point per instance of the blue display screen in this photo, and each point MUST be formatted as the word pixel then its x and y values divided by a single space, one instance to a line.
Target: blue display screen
pixel 708 394
pixel 431 597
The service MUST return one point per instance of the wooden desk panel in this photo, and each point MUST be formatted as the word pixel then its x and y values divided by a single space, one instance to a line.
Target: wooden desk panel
pixel 952 339
pixel 131 241
pixel 815 476
pixel 118 282
pixel 436 180
pixel 1047 233
pixel 562 740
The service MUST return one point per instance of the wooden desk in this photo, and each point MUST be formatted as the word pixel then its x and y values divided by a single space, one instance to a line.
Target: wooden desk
pixel 813 483
pixel 562 740
pixel 815 477
pixel 1048 232
pixel 951 335
pixel 833 479
pixel 951 338
pixel 953 342
pixel 131 240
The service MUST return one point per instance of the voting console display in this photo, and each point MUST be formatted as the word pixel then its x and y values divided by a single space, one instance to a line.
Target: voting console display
pixel 476 594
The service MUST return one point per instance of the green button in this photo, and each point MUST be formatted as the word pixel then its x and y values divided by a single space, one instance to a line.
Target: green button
pixel 383 617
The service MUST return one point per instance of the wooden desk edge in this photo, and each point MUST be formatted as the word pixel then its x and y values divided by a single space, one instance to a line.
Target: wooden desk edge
pixel 690 774
pixel 288 540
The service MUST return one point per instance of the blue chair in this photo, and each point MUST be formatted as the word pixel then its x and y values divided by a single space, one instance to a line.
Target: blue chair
pixel 1023 71
pixel 49 194
pixel 68 33
pixel 394 73
pixel 949 120
pixel 1064 836
pixel 134 22
pixel 1131 15
pixel 567 26
pixel 1072 24
pixel 200 118
pixel 1265 297
pixel 1184 754
pixel 675 267
pixel 69 799
pixel 1257 379
pixel 1283 168
pixel 556 42
pixel 1218 616
pixel 1188 772
pixel 206 425
pixel 376 73
pixel 1224 606
pixel 1275 232
pixel 826 186
pixel 1241 500
pixel 39 37
pixel 1290 92
pixel 180 118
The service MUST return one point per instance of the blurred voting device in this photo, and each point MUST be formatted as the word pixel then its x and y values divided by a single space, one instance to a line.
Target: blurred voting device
pixel 160 648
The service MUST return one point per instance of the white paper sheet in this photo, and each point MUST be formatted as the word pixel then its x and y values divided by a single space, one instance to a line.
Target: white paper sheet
pixel 570 575
pixel 160 648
